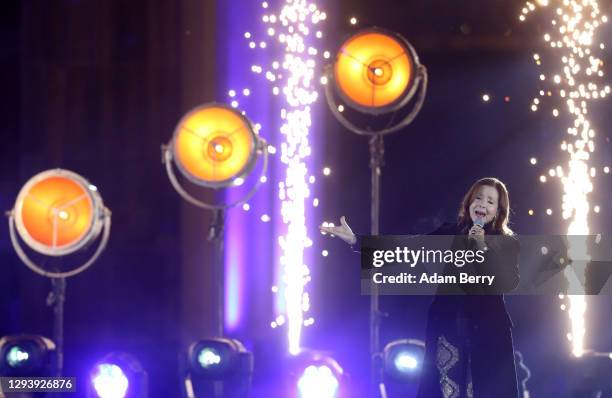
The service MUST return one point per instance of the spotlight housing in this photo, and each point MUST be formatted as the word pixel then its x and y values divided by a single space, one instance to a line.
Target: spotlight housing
pixel 217 367
pixel 26 356
pixel 57 213
pixel 375 71
pixel 213 145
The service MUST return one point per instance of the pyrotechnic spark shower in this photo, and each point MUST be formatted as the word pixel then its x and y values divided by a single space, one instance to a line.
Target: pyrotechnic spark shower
pixel 294 76
pixel 572 40
pixel 298 19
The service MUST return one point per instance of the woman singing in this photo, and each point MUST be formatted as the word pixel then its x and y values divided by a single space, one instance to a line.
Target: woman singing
pixel 469 349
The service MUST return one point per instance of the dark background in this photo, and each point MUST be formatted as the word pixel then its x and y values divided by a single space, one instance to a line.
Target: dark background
pixel 97 86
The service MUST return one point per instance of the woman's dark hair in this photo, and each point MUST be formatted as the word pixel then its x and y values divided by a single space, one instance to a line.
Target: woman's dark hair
pixel 499 225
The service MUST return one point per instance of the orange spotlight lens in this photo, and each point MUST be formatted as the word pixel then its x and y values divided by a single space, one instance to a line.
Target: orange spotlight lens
pixel 56 212
pixel 213 145
pixel 220 148
pixel 374 70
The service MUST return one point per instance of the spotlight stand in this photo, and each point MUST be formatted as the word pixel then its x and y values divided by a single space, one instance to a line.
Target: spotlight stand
pixel 216 234
pixel 376 146
pixel 216 227
pixel 377 152
pixel 56 299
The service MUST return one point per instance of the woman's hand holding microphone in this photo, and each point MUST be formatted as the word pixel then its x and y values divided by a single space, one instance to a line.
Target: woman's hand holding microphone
pixel 477 233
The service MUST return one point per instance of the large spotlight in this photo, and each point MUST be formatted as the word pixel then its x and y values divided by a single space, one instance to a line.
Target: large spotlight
pixel 26 356
pixel 375 71
pixel 214 146
pixel 218 367
pixel 403 361
pixel 58 212
pixel 118 375
pixel 315 375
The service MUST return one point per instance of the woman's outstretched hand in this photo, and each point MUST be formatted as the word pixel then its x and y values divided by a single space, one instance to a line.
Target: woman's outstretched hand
pixel 343 231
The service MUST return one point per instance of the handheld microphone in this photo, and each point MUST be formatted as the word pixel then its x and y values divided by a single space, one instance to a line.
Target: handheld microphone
pixel 479 221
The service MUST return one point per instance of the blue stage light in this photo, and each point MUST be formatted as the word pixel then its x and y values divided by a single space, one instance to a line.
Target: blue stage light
pixel 403 359
pixel 217 367
pixel 402 364
pixel 219 359
pixel 405 362
pixel 109 381
pixel 208 357
pixel 17 357
pixel 26 355
pixel 117 375
pixel 313 374
pixel 318 382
